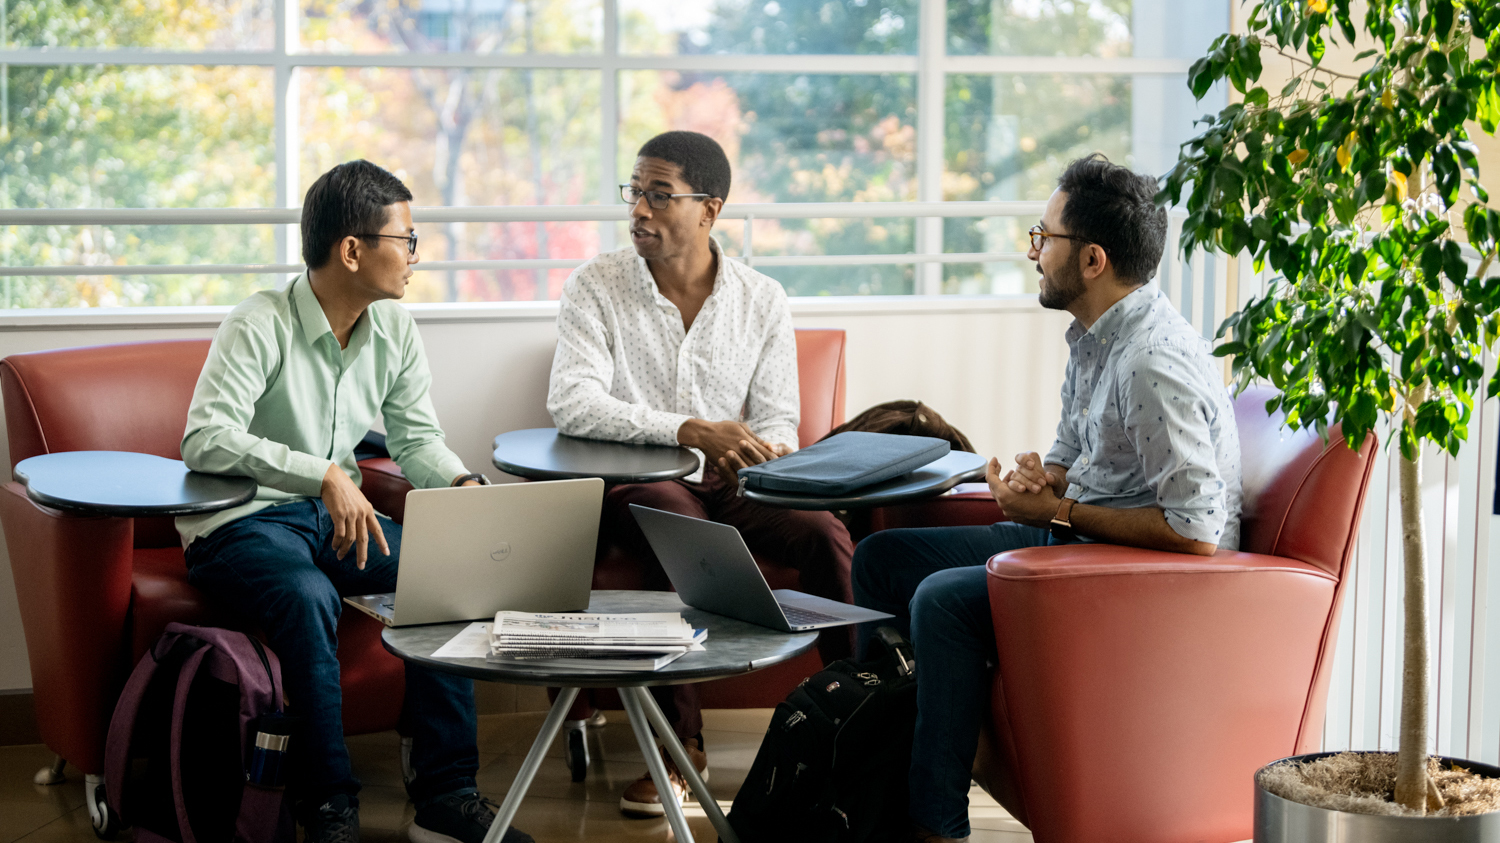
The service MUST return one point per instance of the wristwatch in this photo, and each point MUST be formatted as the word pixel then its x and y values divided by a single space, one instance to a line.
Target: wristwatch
pixel 1062 522
pixel 483 481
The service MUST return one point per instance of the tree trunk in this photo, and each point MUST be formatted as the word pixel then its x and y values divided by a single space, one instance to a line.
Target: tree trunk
pixel 1413 788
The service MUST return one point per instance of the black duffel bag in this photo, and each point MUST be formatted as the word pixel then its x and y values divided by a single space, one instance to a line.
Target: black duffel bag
pixel 834 763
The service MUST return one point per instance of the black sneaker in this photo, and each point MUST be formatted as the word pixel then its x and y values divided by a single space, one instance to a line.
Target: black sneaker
pixel 335 821
pixel 459 818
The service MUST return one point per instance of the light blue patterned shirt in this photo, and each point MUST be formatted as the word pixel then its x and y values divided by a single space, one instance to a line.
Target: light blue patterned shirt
pixel 1147 420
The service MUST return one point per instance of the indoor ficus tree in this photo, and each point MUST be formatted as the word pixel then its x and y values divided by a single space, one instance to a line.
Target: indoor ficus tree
pixel 1357 191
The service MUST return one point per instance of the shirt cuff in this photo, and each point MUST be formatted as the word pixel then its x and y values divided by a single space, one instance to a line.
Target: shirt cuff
pixel 1204 525
pixel 305 473
pixel 661 427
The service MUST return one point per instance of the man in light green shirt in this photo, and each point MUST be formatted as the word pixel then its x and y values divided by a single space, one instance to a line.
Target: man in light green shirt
pixel 292 383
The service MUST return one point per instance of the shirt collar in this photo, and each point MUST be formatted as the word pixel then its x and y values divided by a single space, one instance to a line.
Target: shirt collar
pixel 315 322
pixel 720 274
pixel 309 311
pixel 1122 318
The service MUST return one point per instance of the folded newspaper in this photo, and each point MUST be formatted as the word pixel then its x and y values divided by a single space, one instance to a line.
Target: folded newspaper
pixel 643 641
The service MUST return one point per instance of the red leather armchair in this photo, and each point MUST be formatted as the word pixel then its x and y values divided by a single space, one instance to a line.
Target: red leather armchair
pixel 96 592
pixel 1138 691
pixel 820 377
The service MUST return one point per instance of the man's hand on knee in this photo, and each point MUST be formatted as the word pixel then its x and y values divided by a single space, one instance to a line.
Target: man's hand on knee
pixel 353 517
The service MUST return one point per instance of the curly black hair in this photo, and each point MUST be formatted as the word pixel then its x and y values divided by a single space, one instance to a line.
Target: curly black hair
pixel 704 165
pixel 1116 208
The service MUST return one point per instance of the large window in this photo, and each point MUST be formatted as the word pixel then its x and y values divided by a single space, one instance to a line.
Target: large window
pixel 220 104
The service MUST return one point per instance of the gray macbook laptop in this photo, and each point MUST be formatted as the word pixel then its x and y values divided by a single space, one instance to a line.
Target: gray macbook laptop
pixel 469 552
pixel 712 570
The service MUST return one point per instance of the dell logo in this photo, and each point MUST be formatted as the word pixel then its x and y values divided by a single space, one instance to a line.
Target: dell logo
pixel 501 553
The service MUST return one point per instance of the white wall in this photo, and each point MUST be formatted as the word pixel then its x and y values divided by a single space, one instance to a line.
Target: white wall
pixel 991 366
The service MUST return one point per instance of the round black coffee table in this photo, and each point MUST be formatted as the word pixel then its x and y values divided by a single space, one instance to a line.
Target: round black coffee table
pixel 125 484
pixel 930 480
pixel 542 453
pixel 731 648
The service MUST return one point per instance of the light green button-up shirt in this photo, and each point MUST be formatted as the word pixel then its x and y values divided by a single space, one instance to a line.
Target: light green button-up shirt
pixel 279 401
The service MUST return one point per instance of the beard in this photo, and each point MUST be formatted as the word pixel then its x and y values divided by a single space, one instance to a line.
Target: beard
pixel 1064 287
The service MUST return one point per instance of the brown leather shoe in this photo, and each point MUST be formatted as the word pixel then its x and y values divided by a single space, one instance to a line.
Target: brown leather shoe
pixel 641 798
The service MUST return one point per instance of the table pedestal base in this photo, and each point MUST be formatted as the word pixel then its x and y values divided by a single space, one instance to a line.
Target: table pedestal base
pixel 644 716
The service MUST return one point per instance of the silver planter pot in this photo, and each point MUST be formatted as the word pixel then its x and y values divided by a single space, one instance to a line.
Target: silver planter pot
pixel 1279 820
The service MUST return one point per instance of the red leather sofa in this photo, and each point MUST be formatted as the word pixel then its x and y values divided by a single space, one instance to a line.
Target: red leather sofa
pixel 95 593
pixel 1138 691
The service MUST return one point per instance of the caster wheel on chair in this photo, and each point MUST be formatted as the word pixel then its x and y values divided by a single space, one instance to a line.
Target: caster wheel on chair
pixel 106 823
pixel 578 754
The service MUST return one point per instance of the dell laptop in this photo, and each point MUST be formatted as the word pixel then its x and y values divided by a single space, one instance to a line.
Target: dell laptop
pixel 712 570
pixel 471 551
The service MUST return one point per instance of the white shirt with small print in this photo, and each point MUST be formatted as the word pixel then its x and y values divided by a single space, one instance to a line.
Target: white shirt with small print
pixel 1147 420
pixel 626 370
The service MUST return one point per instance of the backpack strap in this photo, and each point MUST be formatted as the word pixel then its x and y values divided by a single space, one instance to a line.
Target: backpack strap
pixel 179 706
pixel 169 653
pixel 234 656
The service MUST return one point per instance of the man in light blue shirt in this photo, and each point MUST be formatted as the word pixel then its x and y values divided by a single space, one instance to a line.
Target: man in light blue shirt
pixel 293 381
pixel 1147 454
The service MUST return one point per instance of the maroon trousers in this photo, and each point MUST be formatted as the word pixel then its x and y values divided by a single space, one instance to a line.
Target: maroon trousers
pixel 816 544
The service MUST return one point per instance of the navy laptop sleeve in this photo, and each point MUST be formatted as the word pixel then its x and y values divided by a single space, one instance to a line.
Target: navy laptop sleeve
pixel 844 462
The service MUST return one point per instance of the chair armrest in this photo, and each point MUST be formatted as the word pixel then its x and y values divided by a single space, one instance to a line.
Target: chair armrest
pixel 385 486
pixel 1124 668
pixel 72 576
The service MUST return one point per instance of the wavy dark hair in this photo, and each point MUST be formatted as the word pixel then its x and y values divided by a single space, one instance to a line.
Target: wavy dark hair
pixel 1116 208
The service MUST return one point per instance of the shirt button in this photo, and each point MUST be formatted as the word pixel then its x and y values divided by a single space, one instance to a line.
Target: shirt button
pixel 1104 342
pixel 1085 411
pixel 1085 460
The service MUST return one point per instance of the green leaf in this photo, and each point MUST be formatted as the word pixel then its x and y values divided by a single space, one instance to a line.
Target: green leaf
pixel 1453 263
pixel 1442 15
pixel 1436 64
pixel 1476 224
pixel 1258 96
pixel 1431 263
pixel 1316 47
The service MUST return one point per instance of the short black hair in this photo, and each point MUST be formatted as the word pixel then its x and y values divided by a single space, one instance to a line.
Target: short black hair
pixel 1116 208
pixel 704 165
pixel 352 198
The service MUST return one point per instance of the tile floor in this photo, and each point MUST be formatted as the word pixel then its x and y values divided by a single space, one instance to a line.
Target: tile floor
pixel 555 809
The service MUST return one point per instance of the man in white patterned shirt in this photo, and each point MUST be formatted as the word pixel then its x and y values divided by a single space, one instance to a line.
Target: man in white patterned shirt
pixel 669 343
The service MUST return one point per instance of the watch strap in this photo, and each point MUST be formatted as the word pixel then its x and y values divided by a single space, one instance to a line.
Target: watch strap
pixel 473 475
pixel 1062 521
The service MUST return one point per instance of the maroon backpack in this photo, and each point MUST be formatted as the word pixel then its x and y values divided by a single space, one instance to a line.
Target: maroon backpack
pixel 183 740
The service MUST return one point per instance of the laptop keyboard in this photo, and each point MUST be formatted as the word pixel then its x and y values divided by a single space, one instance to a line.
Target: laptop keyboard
pixel 799 617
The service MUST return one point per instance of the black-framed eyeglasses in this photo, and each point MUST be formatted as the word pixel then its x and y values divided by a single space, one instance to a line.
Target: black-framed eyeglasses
pixel 411 240
pixel 1039 238
pixel 655 198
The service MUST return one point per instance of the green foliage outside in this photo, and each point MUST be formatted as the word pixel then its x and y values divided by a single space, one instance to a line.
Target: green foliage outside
pixel 172 136
pixel 201 137
pixel 1359 192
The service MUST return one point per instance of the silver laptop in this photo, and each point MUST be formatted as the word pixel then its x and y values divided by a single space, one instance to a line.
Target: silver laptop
pixel 712 570
pixel 469 552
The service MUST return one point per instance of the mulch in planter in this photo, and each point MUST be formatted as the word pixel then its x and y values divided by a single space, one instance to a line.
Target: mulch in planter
pixel 1365 783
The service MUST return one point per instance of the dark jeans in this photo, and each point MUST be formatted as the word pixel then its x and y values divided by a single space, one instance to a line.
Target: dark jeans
pixel 814 543
pixel 933 580
pixel 277 567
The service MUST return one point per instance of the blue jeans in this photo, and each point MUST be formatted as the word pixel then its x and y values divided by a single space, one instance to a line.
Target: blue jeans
pixel 277 567
pixel 933 580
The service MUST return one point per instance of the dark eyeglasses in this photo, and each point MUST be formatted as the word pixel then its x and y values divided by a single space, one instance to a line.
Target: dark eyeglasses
pixel 1039 238
pixel 411 240
pixel 655 198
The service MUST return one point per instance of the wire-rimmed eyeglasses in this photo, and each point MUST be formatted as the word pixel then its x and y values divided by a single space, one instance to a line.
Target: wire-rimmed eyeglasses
pixel 411 240
pixel 655 198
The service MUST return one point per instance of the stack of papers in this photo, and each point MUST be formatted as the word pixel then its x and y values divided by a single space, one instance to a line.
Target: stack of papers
pixel 642 641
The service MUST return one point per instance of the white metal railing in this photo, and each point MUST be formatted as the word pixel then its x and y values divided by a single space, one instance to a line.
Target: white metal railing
pixel 749 212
